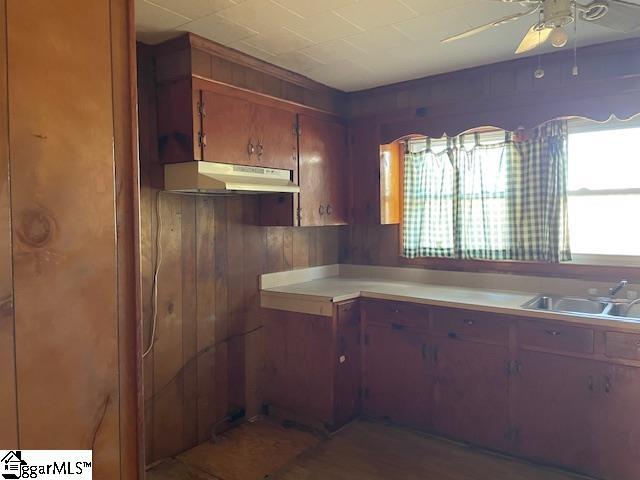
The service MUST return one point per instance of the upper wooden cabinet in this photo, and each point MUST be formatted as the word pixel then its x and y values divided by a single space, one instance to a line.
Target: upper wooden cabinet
pixel 199 124
pixel 323 171
pixel 247 133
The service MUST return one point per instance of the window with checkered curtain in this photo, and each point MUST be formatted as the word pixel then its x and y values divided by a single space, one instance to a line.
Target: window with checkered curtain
pixel 504 200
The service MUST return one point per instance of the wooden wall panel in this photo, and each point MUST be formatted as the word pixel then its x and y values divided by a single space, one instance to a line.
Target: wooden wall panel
pixel 8 416
pixel 209 343
pixel 73 173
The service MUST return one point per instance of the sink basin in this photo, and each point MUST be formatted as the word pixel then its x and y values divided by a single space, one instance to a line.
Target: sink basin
pixel 566 304
pixel 623 310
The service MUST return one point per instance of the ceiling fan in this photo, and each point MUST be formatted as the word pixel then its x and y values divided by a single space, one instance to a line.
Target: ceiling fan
pixel 555 15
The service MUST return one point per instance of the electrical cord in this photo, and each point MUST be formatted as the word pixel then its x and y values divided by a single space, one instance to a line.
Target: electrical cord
pixel 154 288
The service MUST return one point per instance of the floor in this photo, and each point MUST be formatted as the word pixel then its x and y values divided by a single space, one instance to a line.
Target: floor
pixel 362 450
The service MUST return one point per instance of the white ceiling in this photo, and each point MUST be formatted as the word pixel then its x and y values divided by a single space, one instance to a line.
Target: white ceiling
pixel 351 44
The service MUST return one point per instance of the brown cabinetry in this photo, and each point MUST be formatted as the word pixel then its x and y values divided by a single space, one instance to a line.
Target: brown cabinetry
pixel 323 171
pixel 472 392
pixel 579 413
pixel 557 393
pixel 313 369
pixel 399 375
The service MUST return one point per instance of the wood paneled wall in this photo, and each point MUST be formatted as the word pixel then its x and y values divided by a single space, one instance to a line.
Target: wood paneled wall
pixel 507 95
pixel 67 231
pixel 204 363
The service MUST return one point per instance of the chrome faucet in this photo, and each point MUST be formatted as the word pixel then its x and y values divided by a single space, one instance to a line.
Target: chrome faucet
pixel 614 290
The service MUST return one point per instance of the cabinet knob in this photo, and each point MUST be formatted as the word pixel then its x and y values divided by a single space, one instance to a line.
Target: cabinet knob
pixel 260 149
pixel 321 210
pixel 553 333
pixel 329 209
pixel 469 322
pixel 250 148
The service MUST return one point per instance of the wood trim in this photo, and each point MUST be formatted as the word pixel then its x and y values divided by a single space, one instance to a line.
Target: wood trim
pixel 127 181
pixel 562 270
pixel 196 41
pixel 202 83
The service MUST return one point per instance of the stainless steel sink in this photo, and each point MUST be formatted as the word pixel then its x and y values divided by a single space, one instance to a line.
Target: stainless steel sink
pixel 567 304
pixel 623 310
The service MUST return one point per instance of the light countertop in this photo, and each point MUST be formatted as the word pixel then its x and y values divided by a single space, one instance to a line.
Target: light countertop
pixel 317 296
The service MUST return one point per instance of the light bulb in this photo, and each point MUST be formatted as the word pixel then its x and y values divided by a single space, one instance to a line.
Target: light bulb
pixel 559 37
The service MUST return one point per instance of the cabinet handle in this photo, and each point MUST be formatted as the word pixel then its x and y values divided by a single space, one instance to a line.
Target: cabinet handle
pixel 590 383
pixel 321 210
pixel 250 148
pixel 329 209
pixel 397 326
pixel 425 351
pixel 434 354
pixel 607 384
pixel 553 333
pixel 469 322
pixel 260 148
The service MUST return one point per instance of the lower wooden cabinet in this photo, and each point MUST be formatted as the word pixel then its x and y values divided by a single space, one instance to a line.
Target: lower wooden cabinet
pixel 556 409
pixel 472 392
pixel 399 375
pixel 495 382
pixel 312 365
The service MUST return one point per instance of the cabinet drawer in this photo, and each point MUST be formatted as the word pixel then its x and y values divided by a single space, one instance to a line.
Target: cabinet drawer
pixel 474 325
pixel 400 314
pixel 555 336
pixel 622 345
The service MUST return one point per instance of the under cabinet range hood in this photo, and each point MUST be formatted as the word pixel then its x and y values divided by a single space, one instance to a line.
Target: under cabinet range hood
pixel 223 178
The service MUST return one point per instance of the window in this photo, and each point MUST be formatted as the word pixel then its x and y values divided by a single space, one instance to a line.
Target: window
pixel 604 190
pixel 602 187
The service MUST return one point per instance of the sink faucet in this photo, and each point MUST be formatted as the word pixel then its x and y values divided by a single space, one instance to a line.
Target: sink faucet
pixel 614 290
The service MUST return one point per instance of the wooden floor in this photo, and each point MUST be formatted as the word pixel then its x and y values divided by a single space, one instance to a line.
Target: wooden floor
pixel 251 451
pixel 362 451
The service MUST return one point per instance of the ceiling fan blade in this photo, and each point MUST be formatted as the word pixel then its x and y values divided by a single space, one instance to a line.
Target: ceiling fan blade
pixel 495 23
pixel 622 16
pixel 533 39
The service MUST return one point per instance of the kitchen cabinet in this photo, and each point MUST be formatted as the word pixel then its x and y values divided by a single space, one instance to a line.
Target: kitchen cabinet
pixel 247 133
pixel 313 369
pixel 200 124
pixel 472 392
pixel 399 375
pixel 558 393
pixel 323 171
pixel 556 409
pixel 198 121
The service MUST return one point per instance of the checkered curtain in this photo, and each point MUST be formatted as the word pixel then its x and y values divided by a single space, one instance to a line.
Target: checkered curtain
pixel 499 201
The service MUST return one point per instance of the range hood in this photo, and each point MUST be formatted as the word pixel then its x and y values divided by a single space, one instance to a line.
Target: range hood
pixel 224 178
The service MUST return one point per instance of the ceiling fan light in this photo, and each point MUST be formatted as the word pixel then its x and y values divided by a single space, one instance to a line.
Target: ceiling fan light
pixel 559 37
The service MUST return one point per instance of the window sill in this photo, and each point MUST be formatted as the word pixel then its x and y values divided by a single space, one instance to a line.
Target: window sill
pixel 583 268
pixel 605 260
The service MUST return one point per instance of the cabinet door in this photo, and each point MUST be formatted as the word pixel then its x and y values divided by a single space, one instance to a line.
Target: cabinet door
pixel 617 423
pixel 398 376
pixel 472 392
pixel 226 122
pixel 275 139
pixel 323 171
pixel 348 364
pixel 556 405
